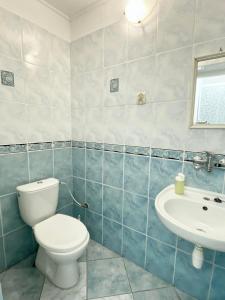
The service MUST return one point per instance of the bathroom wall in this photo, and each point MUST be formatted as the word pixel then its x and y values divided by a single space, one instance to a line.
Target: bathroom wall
pixel 33 113
pixel 124 154
pixel 37 109
pixel 21 164
pixel 156 58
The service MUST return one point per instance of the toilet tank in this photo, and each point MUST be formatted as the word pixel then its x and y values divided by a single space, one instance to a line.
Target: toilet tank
pixel 38 200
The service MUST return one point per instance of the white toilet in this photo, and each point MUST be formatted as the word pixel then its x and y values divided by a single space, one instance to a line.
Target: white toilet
pixel 62 239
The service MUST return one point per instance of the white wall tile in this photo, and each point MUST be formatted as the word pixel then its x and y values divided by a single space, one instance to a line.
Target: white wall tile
pixel 87 53
pixel 174 75
pixel 77 90
pixel 115 43
pixel 115 125
pixel 13 127
pixel 39 123
pixel 10 34
pixel 38 84
pixel 209 48
pixel 175 24
pixel 141 78
pixel 139 125
pixel 60 56
pixel 93 88
pixel 115 98
pixel 94 125
pixel 61 123
pixel 170 124
pixel 78 124
pixel 210 23
pixel 37 44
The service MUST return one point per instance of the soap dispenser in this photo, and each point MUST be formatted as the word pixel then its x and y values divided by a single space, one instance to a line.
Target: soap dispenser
pixel 179 184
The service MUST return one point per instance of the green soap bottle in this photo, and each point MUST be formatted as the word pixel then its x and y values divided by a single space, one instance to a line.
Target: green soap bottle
pixel 179 184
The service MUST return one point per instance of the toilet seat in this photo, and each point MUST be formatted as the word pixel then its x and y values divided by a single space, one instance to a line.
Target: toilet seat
pixel 60 233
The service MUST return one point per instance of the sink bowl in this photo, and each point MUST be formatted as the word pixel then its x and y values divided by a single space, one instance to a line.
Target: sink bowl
pixel 193 218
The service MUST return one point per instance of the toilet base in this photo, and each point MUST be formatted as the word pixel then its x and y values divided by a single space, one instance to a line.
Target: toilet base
pixel 64 275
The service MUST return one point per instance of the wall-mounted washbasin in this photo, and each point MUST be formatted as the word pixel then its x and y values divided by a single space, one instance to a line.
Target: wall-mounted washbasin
pixel 197 216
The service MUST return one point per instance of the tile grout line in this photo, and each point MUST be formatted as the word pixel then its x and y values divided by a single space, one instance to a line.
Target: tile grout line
pixel 123 200
pixel 148 208
pixel 175 261
pixel 211 276
pixel 102 166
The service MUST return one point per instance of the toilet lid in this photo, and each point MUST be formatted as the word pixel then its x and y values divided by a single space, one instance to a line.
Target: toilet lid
pixel 60 233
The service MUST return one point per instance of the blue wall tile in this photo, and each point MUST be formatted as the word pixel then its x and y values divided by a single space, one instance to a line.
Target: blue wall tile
pixel 135 212
pixel 63 163
pixel 94 225
pixel 94 196
pixel 13 172
pixel 68 210
pixel 113 169
pixel 78 162
pixel 189 247
pixel 217 291
pixel 160 260
pixel 112 203
pixel 94 165
pixel 162 174
pixel 18 245
pixel 10 213
pixel 64 196
pixel 134 246
pixel 41 164
pixel 2 258
pixel 79 212
pixel 211 181
pixel 112 235
pixel 136 174
pixel 220 259
pixel 79 189
pixel 190 280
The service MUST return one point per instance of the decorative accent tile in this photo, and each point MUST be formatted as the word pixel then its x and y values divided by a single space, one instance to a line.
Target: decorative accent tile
pixel 97 146
pixel 7 78
pixel 137 150
pixel 5 149
pixel 114 148
pixel 169 154
pixel 78 144
pixel 189 155
pixel 62 144
pixel 39 146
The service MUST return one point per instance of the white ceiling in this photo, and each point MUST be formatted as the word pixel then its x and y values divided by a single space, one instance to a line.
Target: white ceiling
pixel 71 7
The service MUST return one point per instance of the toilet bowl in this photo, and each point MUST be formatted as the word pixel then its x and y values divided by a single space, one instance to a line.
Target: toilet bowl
pixel 62 239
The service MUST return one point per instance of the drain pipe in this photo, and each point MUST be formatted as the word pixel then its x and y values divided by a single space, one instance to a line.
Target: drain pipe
pixel 197 257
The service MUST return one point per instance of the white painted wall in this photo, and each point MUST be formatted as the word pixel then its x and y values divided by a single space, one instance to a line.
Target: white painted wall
pixel 96 17
pixel 41 15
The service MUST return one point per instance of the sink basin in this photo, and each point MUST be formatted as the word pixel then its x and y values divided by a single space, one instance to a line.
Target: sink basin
pixel 192 217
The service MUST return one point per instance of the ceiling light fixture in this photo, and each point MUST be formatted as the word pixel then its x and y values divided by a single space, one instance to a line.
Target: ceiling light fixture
pixel 137 10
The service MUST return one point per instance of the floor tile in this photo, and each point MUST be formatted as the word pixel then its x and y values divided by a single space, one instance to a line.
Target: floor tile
pixel 96 251
pixel 107 278
pixel 22 283
pixel 159 294
pixel 83 258
pixel 184 296
pixel 50 292
pixel 118 297
pixel 141 280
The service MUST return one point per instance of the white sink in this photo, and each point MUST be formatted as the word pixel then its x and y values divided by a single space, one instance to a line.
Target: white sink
pixel 191 217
